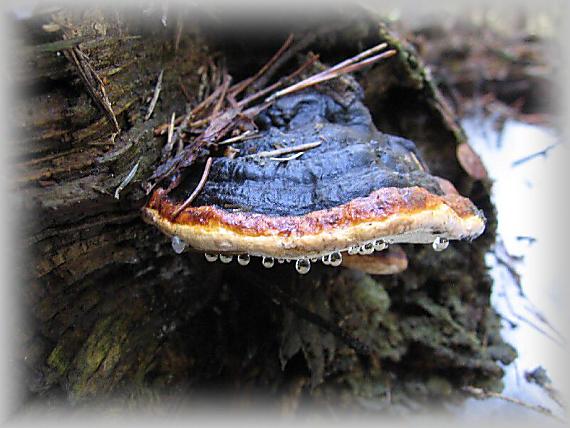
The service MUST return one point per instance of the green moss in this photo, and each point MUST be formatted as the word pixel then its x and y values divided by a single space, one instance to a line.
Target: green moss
pixel 97 345
pixel 412 73
pixel 58 360
pixel 439 386
pixel 98 356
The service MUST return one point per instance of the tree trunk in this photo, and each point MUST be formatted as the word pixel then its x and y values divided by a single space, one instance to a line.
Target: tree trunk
pixel 114 310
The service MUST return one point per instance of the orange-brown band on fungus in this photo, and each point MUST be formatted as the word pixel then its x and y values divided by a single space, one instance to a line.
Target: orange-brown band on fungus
pixel 378 206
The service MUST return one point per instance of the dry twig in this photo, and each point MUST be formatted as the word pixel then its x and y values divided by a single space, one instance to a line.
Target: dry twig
pixel 285 150
pixel 344 67
pixel 285 57
pixel 155 96
pixel 197 190
pixel 482 394
pixel 127 179
pixel 288 158
pixel 169 142
pixel 240 137
pixel 221 118
pixel 93 83
pixel 505 259
pixel 247 82
pixel 543 153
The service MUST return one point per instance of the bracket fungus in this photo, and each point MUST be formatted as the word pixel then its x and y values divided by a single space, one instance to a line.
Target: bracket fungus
pixel 347 188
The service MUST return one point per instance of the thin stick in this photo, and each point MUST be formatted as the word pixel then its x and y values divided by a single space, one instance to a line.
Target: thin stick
pixel 275 57
pixel 482 394
pixel 328 75
pixel 169 141
pixel 280 82
pixel 93 83
pixel 508 262
pixel 236 139
pixel 155 96
pixel 245 83
pixel 179 27
pixel 531 324
pixel 197 190
pixel 543 152
pixel 297 47
pixel 286 150
pixel 288 158
pixel 357 66
pixel 207 101
pixel 127 179
pixel 256 109
pixel 176 136
pixel 219 114
pixel 161 129
pixel 171 129
pixel 356 58
pixel 225 86
pixel 184 91
pixel 179 146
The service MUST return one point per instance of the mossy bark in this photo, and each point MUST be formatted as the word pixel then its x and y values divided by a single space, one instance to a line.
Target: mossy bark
pixel 113 309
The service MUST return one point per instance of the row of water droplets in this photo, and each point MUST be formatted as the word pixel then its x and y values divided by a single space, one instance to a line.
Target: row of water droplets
pixel 303 265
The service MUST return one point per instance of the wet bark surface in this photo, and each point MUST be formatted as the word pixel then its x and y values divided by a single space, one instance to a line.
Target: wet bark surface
pixel 113 311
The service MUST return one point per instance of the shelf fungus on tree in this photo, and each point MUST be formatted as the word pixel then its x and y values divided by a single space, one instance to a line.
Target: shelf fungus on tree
pixel 316 181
